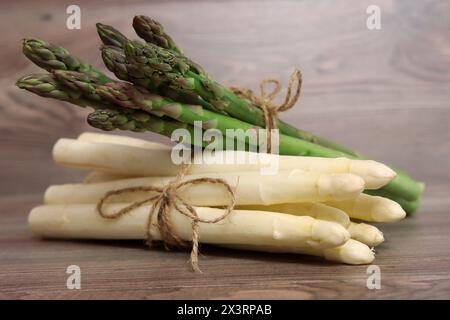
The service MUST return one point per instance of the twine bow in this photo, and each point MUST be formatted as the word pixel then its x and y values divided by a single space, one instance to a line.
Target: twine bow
pixel 164 201
pixel 265 102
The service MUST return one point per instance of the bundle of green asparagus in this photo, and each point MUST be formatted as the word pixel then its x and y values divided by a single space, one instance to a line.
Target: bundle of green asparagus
pixel 160 89
pixel 307 208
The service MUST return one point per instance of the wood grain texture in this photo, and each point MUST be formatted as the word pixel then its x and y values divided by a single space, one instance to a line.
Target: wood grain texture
pixel 385 93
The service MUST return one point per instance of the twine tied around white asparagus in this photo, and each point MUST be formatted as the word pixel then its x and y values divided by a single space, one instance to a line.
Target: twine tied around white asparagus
pixel 163 202
pixel 264 100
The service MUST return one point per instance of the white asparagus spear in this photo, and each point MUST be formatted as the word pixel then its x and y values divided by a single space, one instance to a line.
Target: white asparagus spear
pixel 137 161
pixel 97 176
pixel 240 227
pixel 362 232
pixel 121 140
pixel 370 208
pixel 312 209
pixel 251 188
pixel 351 252
pixel 363 207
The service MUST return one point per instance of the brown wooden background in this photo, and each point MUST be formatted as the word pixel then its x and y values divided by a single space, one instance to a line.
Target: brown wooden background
pixel 386 93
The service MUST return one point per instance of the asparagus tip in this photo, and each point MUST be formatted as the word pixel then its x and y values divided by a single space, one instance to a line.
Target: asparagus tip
pixel 327 234
pixel 354 252
pixel 389 211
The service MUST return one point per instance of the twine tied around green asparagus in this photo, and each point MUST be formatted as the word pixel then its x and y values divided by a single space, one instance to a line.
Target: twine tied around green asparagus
pixel 163 202
pixel 265 100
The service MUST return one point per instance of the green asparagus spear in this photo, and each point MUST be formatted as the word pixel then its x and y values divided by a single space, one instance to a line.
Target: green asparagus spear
pixel 111 119
pixel 51 57
pixel 46 85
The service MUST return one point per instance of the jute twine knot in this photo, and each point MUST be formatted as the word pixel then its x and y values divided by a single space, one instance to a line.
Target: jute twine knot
pixel 163 202
pixel 265 100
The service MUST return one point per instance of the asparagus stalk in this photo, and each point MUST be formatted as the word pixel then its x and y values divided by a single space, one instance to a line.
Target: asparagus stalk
pixel 370 208
pixel 97 177
pixel 112 119
pixel 374 174
pixel 363 207
pixel 121 140
pixel 250 188
pixel 113 157
pixel 46 85
pixel 351 252
pixel 156 162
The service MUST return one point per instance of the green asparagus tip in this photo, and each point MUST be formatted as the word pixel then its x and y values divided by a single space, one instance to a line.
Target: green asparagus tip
pixel 154 57
pixel 152 31
pixel 49 56
pixel 111 36
pixel 44 85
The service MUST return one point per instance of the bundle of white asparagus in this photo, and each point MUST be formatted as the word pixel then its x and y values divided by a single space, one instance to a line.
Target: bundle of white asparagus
pixel 308 207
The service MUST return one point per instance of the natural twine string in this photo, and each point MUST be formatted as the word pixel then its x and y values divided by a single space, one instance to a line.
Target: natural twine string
pixel 265 102
pixel 164 201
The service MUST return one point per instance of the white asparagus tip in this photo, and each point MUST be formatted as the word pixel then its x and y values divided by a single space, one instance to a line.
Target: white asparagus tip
pixel 326 234
pixel 387 211
pixel 377 239
pixel 352 252
pixel 59 148
pixel 343 185
pixel 366 233
pixel 376 173
pixel 380 170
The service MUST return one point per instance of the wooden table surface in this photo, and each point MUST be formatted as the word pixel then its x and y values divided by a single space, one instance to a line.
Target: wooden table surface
pixel 384 92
